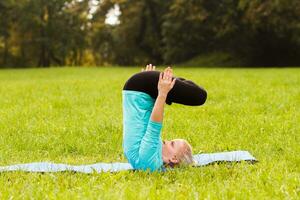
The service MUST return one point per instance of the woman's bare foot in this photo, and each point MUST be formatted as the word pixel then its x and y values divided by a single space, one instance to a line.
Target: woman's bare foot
pixel 149 67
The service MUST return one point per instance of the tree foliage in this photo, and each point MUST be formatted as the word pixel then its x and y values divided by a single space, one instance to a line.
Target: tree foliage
pixel 66 32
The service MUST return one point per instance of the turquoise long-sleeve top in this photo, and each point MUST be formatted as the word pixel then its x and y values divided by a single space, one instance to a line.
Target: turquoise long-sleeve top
pixel 142 142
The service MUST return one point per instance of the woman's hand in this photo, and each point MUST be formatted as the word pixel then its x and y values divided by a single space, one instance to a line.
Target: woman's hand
pixel 149 67
pixel 165 83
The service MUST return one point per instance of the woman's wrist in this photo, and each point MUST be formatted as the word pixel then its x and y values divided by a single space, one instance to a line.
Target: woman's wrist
pixel 162 94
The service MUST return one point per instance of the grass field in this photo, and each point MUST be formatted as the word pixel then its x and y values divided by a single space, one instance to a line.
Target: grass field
pixel 74 115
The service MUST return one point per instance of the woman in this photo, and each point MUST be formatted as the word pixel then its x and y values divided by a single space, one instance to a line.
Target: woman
pixel 144 96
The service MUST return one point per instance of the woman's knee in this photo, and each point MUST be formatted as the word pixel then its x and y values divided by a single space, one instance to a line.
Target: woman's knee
pixel 201 96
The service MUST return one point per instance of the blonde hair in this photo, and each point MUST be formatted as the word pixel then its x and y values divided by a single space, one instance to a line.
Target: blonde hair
pixel 186 157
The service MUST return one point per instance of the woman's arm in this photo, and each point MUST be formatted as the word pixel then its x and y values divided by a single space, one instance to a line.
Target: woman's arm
pixel 150 148
pixel 165 84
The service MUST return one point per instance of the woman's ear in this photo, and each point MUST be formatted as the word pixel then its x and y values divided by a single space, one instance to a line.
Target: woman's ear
pixel 174 160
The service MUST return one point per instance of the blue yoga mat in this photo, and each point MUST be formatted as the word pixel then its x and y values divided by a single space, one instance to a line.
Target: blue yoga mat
pixel 200 160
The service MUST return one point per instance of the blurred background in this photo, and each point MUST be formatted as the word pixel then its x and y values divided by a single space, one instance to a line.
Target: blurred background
pixel 42 33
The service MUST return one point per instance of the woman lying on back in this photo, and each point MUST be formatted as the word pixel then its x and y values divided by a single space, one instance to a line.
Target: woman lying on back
pixel 144 96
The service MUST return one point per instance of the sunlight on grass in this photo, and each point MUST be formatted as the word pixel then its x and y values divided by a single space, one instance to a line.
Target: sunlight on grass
pixel 74 115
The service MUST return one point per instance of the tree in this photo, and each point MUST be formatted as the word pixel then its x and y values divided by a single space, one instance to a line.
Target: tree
pixel 47 33
pixel 137 39
pixel 273 32
pixel 5 21
pixel 66 32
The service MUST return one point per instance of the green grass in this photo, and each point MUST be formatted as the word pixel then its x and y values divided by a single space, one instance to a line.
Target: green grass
pixel 74 115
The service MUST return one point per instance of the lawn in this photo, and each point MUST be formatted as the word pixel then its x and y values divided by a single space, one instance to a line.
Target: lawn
pixel 74 115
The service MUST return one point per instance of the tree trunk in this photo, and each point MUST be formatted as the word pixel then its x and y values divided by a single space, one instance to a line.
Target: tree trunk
pixel 5 53
pixel 44 58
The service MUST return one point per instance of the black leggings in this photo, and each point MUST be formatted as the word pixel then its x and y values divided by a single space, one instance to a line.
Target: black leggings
pixel 184 91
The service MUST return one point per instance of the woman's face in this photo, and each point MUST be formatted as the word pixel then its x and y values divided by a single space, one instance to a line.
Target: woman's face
pixel 171 150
